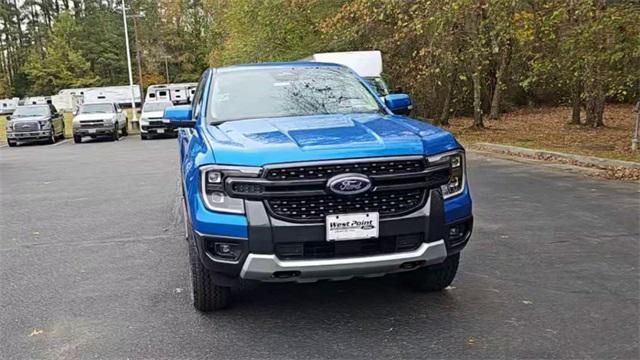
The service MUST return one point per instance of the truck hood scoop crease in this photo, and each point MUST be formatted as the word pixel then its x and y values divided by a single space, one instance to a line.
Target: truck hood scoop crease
pixel 277 140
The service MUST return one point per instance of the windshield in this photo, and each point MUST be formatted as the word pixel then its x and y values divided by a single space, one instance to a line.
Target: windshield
pixel 23 111
pixel 156 106
pixel 281 92
pixel 96 109
pixel 378 85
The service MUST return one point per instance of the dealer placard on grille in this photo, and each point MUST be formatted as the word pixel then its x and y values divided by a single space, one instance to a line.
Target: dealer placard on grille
pixel 352 226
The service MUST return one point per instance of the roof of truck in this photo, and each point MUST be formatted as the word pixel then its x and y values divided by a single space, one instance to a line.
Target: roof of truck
pixel 288 64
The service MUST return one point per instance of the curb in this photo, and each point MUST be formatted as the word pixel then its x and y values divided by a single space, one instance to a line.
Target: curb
pixel 580 160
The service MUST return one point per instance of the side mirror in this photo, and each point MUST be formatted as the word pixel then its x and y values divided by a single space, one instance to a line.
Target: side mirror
pixel 399 104
pixel 179 116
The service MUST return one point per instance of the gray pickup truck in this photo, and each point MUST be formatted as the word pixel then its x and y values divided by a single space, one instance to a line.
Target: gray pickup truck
pixel 32 123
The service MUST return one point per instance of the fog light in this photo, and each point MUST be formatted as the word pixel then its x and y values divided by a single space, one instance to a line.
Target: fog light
pixel 454 231
pixel 229 251
pixel 457 232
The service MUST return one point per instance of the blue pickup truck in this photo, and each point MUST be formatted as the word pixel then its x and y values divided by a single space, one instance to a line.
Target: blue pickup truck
pixel 299 172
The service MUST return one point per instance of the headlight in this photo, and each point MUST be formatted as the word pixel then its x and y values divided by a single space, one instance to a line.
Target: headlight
pixel 456 160
pixel 215 198
pixel 108 121
pixel 45 125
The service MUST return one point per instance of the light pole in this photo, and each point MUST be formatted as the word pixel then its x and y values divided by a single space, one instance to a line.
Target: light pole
pixel 166 67
pixel 634 140
pixel 126 39
pixel 135 36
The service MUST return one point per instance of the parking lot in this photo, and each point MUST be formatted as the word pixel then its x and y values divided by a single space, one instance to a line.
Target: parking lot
pixel 93 264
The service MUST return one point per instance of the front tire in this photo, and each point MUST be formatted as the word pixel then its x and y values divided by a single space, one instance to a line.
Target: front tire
pixel 434 277
pixel 144 136
pixel 125 129
pixel 52 136
pixel 77 139
pixel 116 135
pixel 207 296
pixel 12 143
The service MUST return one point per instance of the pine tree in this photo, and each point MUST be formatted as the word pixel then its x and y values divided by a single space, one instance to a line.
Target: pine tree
pixel 61 65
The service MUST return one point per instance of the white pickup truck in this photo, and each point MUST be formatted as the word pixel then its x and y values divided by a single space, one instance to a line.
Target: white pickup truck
pixel 99 119
pixel 152 122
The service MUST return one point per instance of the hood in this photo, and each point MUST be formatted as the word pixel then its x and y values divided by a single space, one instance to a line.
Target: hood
pixel 29 118
pixel 83 117
pixel 275 140
pixel 153 115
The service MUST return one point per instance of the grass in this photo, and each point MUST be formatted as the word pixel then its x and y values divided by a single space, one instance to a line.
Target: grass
pixel 547 128
pixel 68 117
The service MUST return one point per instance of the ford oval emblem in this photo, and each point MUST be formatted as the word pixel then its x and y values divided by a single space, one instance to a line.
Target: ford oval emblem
pixel 349 184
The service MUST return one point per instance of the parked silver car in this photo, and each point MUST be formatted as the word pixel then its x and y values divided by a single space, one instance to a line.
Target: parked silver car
pixel 99 119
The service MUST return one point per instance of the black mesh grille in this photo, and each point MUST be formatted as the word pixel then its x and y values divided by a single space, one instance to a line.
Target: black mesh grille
pixel 315 208
pixel 437 178
pixel 26 126
pixel 371 168
pixel 352 248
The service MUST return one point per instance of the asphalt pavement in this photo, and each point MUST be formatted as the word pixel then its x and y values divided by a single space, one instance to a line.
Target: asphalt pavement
pixel 93 265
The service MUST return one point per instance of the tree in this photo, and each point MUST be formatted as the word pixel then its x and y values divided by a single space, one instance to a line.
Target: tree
pixel 500 16
pixel 62 65
pixel 584 51
pixel 273 30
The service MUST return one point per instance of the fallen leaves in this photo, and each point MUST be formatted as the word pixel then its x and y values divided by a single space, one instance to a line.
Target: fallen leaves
pixel 548 128
pixel 35 332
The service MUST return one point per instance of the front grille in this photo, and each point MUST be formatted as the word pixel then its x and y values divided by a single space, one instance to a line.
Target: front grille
pixel 156 123
pixel 26 126
pixel 91 124
pixel 370 168
pixel 315 208
pixel 344 249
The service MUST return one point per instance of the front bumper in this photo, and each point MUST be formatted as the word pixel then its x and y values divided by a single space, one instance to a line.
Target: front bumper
pixel 29 135
pixel 93 131
pixel 264 234
pixel 147 128
pixel 269 268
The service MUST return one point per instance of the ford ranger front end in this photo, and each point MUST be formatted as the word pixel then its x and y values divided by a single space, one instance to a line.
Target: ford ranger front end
pixel 322 183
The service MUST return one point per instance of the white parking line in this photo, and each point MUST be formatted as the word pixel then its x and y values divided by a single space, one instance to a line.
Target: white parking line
pixel 2 146
pixel 61 142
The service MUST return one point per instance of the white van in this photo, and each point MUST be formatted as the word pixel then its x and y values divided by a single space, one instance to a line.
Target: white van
pixel 7 106
pixel 112 94
pixel 367 64
pixel 180 93
pixel 67 102
pixel 37 100
pixel 74 91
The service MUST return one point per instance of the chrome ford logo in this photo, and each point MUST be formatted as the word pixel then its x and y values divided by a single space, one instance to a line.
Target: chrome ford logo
pixel 349 184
